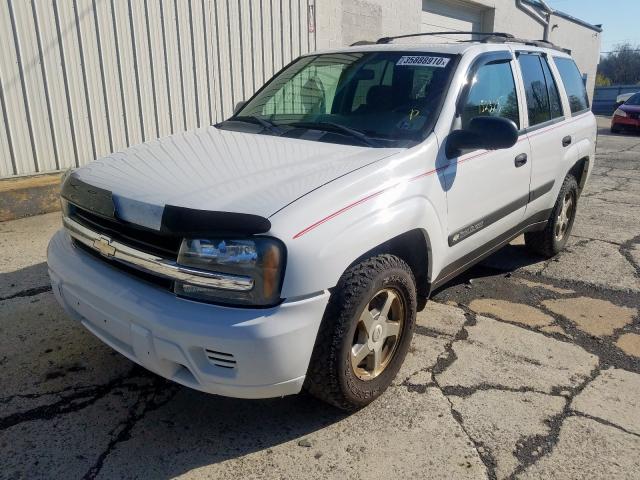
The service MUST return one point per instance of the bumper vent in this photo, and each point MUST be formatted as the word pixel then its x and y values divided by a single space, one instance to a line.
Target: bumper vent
pixel 220 359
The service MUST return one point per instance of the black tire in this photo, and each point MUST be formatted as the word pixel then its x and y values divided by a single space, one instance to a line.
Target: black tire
pixel 546 242
pixel 615 129
pixel 331 376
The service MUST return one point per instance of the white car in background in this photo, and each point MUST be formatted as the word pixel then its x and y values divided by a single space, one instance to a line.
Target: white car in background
pixel 291 245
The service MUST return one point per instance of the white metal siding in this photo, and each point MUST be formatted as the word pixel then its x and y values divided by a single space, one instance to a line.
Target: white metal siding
pixel 82 78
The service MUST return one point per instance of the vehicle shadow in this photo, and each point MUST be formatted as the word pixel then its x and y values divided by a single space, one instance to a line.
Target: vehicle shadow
pixel 508 259
pixel 24 281
pixel 196 429
pixel 606 130
pixel 119 419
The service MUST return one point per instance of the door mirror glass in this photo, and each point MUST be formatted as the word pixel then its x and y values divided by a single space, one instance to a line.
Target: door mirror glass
pixel 489 133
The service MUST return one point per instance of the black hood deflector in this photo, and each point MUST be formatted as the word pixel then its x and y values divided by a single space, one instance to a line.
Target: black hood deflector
pixel 94 199
pixel 188 222
pixel 176 221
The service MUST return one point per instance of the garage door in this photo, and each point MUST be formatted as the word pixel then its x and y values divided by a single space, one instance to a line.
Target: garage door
pixel 445 16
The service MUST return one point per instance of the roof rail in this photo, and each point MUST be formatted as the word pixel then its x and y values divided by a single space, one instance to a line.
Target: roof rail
pixel 362 42
pixel 548 44
pixel 489 37
pixel 486 34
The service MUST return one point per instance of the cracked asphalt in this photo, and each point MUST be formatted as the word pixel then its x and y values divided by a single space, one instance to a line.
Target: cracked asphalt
pixel 521 368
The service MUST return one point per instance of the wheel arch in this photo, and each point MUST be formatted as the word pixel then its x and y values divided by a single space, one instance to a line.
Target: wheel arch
pixel 414 247
pixel 580 171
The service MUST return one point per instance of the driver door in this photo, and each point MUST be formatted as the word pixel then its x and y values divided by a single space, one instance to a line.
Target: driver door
pixel 487 190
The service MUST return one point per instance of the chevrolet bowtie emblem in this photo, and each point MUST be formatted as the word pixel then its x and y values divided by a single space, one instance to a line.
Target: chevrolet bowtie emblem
pixel 103 245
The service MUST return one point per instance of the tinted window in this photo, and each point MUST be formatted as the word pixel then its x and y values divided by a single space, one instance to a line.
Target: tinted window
pixel 552 89
pixel 573 84
pixel 493 93
pixel 535 85
pixel 634 100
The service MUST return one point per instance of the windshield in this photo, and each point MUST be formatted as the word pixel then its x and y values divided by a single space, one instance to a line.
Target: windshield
pixel 634 100
pixel 379 99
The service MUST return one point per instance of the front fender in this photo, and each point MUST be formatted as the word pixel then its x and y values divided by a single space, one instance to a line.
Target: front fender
pixel 317 260
pixel 327 231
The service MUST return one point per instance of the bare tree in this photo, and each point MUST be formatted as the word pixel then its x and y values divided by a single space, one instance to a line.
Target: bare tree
pixel 622 66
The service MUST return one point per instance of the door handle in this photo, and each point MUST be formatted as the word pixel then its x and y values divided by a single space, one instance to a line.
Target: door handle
pixel 566 141
pixel 520 160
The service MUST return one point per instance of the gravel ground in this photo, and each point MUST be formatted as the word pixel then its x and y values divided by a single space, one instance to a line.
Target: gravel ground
pixel 521 368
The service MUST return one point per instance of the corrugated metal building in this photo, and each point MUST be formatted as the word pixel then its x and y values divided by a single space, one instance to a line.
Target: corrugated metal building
pixel 82 78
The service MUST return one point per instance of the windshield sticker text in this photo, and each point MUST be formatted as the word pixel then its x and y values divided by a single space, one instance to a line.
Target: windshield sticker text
pixel 488 106
pixel 423 61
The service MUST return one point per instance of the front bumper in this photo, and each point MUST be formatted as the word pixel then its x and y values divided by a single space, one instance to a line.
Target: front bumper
pixel 236 352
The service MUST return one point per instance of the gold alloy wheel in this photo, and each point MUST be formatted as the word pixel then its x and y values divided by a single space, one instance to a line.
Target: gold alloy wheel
pixel 564 217
pixel 377 334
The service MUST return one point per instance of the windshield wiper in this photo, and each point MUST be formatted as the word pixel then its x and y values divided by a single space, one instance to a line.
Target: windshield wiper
pixel 266 124
pixel 336 127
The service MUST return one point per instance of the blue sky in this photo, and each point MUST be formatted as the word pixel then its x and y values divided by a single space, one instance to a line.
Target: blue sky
pixel 620 19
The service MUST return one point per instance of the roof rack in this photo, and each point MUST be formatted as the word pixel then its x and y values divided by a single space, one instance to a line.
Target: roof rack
pixel 548 44
pixel 362 42
pixel 486 34
pixel 489 37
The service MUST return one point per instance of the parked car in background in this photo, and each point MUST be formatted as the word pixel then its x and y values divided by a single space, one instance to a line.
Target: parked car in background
pixel 627 115
pixel 291 245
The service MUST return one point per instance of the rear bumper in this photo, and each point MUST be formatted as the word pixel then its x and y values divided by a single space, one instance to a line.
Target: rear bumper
pixel 244 353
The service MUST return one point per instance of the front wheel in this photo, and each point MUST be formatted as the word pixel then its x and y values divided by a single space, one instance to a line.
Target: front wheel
pixel 365 333
pixel 550 241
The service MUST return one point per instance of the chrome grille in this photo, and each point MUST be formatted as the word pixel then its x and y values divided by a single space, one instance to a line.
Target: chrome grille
pixel 168 268
pixel 136 237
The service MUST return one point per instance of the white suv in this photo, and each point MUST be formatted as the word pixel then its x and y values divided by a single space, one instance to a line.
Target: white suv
pixel 291 245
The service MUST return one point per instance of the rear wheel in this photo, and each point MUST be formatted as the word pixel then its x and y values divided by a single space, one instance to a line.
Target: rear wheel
pixel 550 241
pixel 365 333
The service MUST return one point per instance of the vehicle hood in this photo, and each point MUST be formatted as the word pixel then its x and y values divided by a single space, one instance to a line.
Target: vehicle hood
pixel 220 170
pixel 630 108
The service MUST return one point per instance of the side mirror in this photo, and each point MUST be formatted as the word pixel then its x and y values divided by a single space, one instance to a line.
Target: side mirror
pixel 489 133
pixel 238 106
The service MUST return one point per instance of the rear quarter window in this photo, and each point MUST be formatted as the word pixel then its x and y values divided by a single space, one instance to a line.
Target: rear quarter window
pixel 573 84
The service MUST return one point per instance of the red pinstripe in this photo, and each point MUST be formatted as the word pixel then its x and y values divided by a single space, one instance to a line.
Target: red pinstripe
pixel 421 175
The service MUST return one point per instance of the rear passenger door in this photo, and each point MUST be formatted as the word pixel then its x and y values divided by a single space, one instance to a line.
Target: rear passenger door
pixel 582 125
pixel 546 128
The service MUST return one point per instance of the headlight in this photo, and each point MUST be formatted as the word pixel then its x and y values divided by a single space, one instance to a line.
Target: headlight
pixel 620 113
pixel 258 264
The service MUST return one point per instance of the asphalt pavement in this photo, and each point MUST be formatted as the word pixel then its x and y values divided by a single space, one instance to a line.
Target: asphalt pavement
pixel 521 368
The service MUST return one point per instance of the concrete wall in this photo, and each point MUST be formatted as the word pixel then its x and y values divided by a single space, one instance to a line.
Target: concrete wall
pixel 342 22
pixel 584 45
